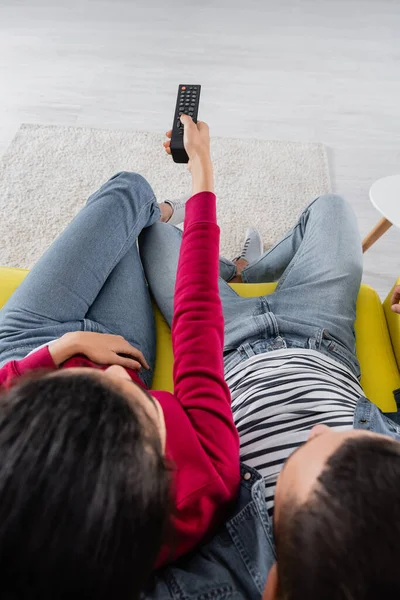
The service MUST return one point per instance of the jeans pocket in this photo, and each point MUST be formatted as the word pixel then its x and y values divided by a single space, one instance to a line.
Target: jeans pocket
pixel 338 351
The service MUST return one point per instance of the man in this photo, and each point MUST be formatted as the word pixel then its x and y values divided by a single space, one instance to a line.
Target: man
pixel 328 458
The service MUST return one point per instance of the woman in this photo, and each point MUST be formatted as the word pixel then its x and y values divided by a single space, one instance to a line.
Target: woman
pixel 93 467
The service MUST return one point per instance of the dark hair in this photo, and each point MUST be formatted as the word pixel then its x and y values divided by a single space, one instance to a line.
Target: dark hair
pixel 343 542
pixel 84 491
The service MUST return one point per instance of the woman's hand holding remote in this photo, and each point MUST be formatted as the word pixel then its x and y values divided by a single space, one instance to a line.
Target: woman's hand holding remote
pixel 196 140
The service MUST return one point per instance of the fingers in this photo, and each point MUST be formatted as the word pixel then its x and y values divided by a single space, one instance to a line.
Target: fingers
pixel 396 299
pixel 129 350
pixel 128 363
pixel 396 294
pixel 187 121
pixel 167 145
pixel 201 126
pixel 168 134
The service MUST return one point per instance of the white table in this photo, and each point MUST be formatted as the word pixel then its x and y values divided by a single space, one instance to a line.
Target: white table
pixel 385 196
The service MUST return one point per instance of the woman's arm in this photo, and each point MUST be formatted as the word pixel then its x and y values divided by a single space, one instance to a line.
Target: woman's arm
pixel 198 324
pixel 100 348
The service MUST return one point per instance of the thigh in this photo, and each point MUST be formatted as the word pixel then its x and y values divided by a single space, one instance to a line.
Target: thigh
pixel 123 307
pixel 319 287
pixel 68 278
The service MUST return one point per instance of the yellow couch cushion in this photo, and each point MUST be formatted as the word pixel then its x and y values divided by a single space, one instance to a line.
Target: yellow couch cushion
pixel 379 371
pixel 393 322
pixel 9 281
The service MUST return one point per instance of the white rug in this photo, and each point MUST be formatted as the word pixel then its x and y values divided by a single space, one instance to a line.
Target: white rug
pixel 48 172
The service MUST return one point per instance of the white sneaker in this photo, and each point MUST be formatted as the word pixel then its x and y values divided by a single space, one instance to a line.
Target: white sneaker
pixel 178 210
pixel 253 246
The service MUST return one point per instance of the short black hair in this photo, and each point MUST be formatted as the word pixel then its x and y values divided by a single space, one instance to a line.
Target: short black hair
pixel 343 542
pixel 84 491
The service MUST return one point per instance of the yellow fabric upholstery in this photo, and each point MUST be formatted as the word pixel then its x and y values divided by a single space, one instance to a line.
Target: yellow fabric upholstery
pixel 9 281
pixel 379 368
pixel 393 322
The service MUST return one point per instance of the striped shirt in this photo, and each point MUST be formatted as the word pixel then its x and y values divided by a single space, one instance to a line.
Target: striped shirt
pixel 278 396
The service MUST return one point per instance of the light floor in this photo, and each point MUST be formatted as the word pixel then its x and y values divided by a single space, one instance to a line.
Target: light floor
pixel 309 70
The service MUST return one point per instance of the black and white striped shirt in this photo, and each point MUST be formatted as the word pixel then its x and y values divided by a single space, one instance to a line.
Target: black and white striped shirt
pixel 277 397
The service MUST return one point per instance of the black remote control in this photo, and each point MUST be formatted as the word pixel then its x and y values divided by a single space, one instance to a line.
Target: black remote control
pixel 188 104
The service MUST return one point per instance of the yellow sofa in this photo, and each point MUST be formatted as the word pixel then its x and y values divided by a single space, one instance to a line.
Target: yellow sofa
pixel 377 334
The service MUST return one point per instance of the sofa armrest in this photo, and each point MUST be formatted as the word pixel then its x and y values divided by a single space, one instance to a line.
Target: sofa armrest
pixel 10 279
pixel 393 323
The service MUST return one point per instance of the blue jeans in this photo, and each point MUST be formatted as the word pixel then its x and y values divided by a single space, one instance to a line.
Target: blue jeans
pixel 318 265
pixel 92 279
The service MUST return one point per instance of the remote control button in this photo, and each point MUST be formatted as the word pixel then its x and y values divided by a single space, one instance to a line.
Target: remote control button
pixel 183 87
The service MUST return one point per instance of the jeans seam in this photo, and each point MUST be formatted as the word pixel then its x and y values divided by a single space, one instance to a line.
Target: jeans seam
pixel 290 266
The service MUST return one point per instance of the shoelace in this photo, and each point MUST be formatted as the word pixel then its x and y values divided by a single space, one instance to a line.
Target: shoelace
pixel 246 245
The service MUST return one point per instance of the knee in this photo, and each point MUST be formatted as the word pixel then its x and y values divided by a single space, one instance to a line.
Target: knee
pixel 130 178
pixel 129 186
pixel 331 202
pixel 334 208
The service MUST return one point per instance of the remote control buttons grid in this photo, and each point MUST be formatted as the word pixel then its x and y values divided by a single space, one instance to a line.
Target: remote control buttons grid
pixel 187 104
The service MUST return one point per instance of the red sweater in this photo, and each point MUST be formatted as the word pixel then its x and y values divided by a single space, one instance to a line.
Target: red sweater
pixel 202 441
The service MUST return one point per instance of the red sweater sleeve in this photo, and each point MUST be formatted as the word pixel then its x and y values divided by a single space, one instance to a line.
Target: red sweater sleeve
pixel 198 336
pixel 38 360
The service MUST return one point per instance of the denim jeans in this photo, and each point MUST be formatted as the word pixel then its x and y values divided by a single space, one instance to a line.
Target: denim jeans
pixel 92 279
pixel 318 266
